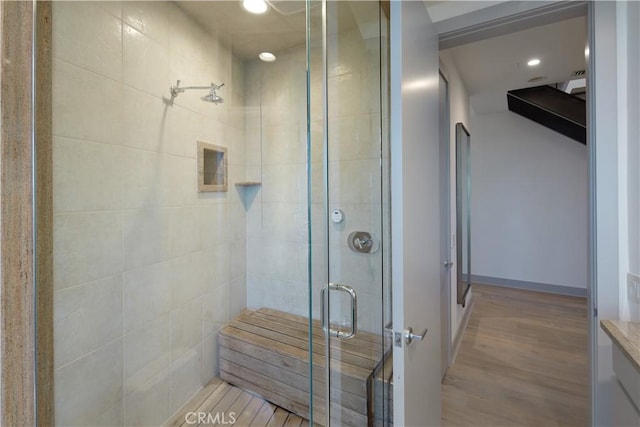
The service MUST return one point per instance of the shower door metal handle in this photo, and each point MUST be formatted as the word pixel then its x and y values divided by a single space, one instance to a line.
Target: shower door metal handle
pixel 354 311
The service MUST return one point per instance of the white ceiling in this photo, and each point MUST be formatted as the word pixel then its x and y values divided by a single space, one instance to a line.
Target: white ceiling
pixel 249 34
pixel 442 10
pixel 491 67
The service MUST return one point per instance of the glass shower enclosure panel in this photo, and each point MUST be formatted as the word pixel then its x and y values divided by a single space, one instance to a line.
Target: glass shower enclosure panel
pixel 180 207
pixel 220 215
pixel 350 212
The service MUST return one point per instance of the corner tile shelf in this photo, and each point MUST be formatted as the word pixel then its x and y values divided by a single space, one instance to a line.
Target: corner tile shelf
pixel 248 183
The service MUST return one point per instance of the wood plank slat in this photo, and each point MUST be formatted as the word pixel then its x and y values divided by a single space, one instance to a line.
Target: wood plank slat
pixel 249 412
pixel 349 383
pixel 267 352
pixel 232 333
pixel 363 340
pixel 293 421
pixel 316 325
pixel 224 416
pixel 278 419
pixel 223 405
pixel 342 359
pixel 280 400
pixel 211 400
pixel 279 394
pixel 178 418
pixel 356 402
pixel 366 356
pixel 264 415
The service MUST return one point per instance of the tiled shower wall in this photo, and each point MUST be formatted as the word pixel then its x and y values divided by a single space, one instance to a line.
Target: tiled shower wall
pixel 146 268
pixel 277 248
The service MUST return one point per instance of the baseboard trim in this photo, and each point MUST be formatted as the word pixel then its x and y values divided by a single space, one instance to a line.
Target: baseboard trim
pixel 530 286
pixel 460 332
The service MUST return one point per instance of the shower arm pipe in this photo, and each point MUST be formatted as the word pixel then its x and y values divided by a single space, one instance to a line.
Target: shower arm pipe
pixel 176 90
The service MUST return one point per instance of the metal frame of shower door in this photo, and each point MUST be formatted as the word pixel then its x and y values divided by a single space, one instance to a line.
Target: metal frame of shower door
pixel 325 149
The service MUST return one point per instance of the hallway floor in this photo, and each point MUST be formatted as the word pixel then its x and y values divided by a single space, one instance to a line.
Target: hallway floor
pixel 522 362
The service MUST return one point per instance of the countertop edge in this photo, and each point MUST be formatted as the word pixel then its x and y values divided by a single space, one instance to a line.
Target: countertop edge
pixel 630 349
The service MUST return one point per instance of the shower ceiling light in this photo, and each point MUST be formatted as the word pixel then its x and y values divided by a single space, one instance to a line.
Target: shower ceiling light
pixel 267 57
pixel 255 6
pixel 533 62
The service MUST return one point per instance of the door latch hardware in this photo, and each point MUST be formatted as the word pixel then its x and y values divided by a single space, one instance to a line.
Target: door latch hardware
pixel 409 336
pixel 397 339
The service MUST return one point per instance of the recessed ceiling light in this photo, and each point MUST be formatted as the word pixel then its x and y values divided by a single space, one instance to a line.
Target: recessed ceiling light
pixel 533 62
pixel 255 6
pixel 267 57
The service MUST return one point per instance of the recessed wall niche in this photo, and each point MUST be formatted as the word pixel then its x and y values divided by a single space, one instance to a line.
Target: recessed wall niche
pixel 212 167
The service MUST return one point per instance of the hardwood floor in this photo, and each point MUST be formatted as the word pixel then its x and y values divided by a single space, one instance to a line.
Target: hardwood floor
pixel 522 362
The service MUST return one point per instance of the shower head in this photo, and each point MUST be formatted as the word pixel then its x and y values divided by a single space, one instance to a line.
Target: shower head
pixel 212 97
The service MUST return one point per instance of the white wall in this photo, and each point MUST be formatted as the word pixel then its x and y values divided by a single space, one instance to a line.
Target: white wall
pixel 633 112
pixel 458 113
pixel 146 269
pixel 529 202
pixel 628 28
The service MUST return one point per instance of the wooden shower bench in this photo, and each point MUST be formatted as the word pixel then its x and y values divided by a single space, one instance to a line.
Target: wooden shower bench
pixel 267 352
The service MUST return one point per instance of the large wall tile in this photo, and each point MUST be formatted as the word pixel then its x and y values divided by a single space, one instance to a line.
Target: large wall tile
pixel 94 44
pixel 89 388
pixel 147 237
pixel 86 105
pixel 214 223
pixel 346 92
pixel 186 328
pixel 86 247
pixel 182 180
pixel 140 55
pixel 150 404
pixel 216 308
pixel 354 138
pixel 209 359
pixel 238 258
pixel 147 294
pixel 187 277
pixel 150 18
pixel 283 145
pixel 147 353
pixel 284 183
pixel 145 120
pixel 144 179
pixel 355 181
pixel 86 317
pixel 186 234
pixel 86 176
pixel 183 130
pixel 237 296
pixel 217 262
pixel 185 377
pixel 113 7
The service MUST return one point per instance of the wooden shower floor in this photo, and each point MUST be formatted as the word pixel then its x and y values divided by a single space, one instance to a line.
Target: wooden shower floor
pixel 230 403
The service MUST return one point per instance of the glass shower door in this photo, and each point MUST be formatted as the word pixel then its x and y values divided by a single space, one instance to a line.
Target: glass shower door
pixel 349 212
